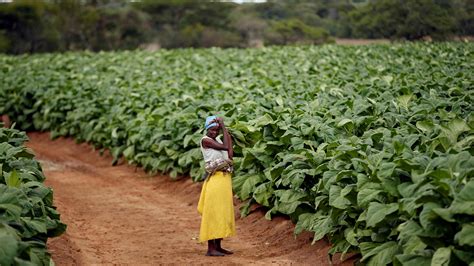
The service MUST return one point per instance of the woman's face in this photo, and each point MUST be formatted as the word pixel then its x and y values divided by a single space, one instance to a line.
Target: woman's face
pixel 213 132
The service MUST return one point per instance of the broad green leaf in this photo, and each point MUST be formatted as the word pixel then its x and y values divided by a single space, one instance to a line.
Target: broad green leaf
pixel 441 257
pixel 262 121
pixel 249 185
pixel 425 126
pixel 385 170
pixel 465 237
pixel 9 246
pixel 337 197
pixel 129 152
pixel 458 126
pixel 384 254
pixel 408 229
pixel 379 254
pixel 12 209
pixel 413 259
pixel 366 248
pixel 245 208
pixel 465 143
pixel 288 201
pixel 322 226
pixel 430 221
pixel 453 129
pixel 289 195
pixel 446 214
pixel 13 179
pixel 263 193
pixel 414 245
pixel 388 79
pixel 378 211
pixel 368 193
pixel 10 200
pixel 404 100
pixel 464 201
pixel 37 225
pixel 344 122
pixel 305 221
pixel 350 236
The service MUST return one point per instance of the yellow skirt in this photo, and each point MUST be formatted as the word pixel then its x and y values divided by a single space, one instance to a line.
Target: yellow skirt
pixel 216 207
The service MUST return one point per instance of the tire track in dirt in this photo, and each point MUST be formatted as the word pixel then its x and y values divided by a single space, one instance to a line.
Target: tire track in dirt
pixel 121 215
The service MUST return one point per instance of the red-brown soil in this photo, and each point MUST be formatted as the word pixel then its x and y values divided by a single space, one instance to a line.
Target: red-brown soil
pixel 121 215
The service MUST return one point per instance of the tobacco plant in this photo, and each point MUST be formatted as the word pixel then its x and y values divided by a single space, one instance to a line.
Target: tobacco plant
pixel 27 215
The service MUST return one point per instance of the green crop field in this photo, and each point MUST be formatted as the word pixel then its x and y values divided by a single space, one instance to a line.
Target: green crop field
pixel 369 146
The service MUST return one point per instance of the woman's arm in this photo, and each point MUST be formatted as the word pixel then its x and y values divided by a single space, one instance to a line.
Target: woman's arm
pixel 209 143
pixel 227 139
pixel 212 144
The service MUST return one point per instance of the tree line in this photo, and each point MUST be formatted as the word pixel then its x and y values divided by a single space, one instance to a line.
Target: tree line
pixel 30 26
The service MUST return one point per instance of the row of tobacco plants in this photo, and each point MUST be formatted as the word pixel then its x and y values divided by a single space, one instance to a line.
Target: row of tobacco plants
pixel 371 147
pixel 27 215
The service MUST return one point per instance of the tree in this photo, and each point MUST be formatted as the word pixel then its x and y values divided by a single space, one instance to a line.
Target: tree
pixel 464 10
pixel 250 27
pixel 295 31
pixel 184 23
pixel 408 19
pixel 26 26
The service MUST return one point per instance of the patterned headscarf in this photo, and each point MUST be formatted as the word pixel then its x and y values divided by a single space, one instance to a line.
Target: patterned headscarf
pixel 209 122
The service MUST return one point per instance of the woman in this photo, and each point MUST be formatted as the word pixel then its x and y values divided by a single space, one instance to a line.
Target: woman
pixel 216 203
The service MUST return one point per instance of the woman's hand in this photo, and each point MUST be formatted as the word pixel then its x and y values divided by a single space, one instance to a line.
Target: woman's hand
pixel 220 121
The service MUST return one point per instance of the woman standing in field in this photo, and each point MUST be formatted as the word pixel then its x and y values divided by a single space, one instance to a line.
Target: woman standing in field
pixel 215 203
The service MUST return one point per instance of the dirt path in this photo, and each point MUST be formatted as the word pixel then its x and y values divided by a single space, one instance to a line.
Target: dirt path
pixel 120 215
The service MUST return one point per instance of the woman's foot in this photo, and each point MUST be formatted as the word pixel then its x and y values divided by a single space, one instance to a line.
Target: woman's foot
pixel 212 249
pixel 217 244
pixel 214 253
pixel 227 252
